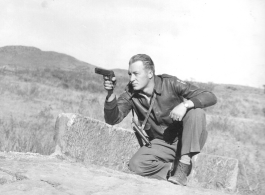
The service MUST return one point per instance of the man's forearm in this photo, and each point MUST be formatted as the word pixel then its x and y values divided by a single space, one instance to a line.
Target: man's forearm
pixel 204 99
pixel 111 110
pixel 200 97
pixel 116 109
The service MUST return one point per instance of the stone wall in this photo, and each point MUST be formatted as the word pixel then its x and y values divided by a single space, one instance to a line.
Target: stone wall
pixel 94 142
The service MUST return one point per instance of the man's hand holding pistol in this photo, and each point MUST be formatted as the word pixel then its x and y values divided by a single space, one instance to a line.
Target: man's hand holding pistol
pixel 109 81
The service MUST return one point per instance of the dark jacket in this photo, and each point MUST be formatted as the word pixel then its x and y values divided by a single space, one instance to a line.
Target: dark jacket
pixel 170 92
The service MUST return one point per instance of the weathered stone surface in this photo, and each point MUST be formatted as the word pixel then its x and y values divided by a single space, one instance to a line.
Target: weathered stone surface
pixel 214 172
pixel 92 141
pixel 35 174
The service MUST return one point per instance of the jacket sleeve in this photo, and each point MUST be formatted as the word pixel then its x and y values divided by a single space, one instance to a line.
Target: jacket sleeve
pixel 116 110
pixel 200 97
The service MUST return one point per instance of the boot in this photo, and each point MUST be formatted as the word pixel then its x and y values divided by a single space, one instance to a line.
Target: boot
pixel 181 175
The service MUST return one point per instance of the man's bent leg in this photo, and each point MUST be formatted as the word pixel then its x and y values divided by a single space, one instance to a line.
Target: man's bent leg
pixel 194 136
pixel 194 133
pixel 155 161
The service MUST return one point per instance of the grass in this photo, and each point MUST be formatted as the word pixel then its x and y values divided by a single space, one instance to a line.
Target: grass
pixel 243 140
pixel 32 99
pixel 27 136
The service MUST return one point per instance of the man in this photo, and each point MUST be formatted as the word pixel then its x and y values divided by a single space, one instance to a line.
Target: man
pixel 176 126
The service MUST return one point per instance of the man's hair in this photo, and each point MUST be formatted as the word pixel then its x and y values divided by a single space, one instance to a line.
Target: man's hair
pixel 147 61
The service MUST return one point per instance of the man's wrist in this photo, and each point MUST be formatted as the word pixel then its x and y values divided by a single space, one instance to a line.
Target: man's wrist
pixel 110 97
pixel 188 104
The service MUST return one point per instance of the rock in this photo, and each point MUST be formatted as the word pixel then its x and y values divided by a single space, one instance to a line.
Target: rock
pixel 94 142
pixel 214 172
pixel 33 174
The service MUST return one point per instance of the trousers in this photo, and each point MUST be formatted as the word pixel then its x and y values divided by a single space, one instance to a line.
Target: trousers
pixel 156 161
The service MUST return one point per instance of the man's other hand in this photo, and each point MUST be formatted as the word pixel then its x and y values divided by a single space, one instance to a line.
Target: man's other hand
pixel 180 110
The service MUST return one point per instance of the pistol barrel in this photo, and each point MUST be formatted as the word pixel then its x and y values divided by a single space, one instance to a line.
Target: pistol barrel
pixel 104 72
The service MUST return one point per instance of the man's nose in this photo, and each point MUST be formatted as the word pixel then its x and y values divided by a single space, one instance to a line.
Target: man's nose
pixel 132 78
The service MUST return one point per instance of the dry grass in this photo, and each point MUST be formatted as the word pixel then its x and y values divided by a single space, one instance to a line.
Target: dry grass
pixel 31 101
pixel 244 140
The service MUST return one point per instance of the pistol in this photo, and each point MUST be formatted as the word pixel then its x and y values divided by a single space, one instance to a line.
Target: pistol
pixel 104 72
pixel 109 73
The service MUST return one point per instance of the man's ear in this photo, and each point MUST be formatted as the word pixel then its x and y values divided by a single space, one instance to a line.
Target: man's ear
pixel 150 74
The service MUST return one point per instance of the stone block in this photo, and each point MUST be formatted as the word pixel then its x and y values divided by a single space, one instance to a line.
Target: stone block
pixel 214 172
pixel 92 141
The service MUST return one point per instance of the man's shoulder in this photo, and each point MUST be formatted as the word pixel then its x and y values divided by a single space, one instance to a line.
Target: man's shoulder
pixel 166 76
pixel 127 93
pixel 172 78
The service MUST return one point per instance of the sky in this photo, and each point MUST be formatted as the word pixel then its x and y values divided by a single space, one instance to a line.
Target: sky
pixel 220 41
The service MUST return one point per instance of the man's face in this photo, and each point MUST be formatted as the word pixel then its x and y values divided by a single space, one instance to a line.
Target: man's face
pixel 139 75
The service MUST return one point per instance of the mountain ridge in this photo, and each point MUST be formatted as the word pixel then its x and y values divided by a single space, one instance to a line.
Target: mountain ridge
pixel 32 57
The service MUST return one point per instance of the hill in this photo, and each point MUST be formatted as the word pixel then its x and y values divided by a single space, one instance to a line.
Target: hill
pixel 32 58
pixel 52 68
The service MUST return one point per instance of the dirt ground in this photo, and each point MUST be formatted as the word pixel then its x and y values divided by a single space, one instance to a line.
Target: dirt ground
pixel 34 174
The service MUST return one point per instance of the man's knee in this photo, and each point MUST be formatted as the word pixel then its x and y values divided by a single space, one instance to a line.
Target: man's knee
pixel 195 114
pixel 135 165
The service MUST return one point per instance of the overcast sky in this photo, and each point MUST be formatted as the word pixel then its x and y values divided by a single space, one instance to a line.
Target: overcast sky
pixel 220 41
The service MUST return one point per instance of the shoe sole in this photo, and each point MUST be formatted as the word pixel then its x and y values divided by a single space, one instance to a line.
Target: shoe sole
pixel 172 180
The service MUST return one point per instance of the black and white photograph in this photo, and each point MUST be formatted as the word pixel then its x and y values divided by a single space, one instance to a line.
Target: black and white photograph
pixel 135 97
